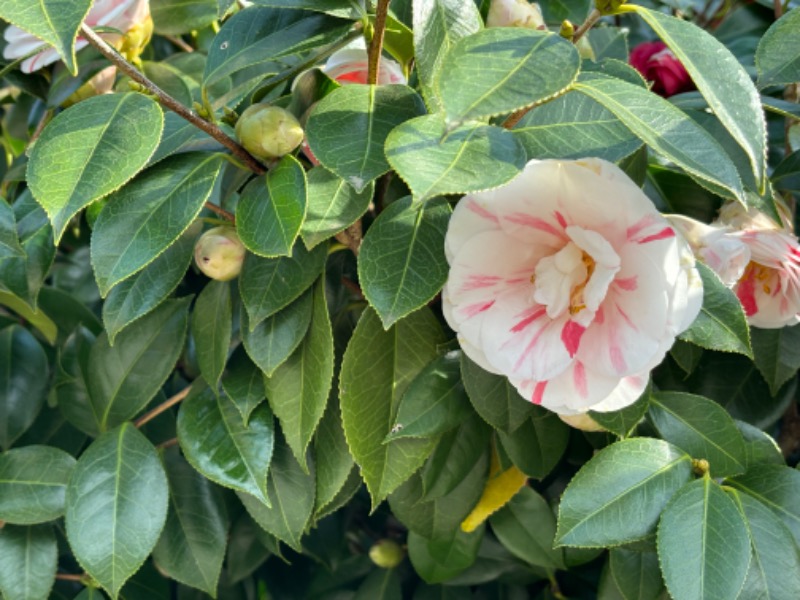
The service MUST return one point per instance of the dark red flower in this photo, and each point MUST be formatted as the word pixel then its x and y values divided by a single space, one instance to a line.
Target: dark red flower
pixel 658 64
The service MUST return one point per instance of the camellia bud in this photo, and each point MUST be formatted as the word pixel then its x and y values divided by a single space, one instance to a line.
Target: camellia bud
pixel 386 554
pixel 268 132
pixel 219 253
pixel 581 421
pixel 515 13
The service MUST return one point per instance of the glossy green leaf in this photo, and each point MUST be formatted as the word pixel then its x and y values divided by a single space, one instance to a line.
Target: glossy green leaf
pixel 444 557
pixel 372 111
pixel 245 552
pixel 181 136
pixel 212 324
pixel 380 584
pixel 141 293
pixel 701 428
pixel 402 264
pixel 333 205
pixel 116 506
pixel 526 526
pixel 334 465
pixel 667 130
pixel 537 445
pixel 33 482
pixel 23 382
pixel 70 382
pixel 434 161
pixel 622 422
pixel 243 382
pixel 9 241
pixel 435 402
pixel 217 443
pixel 37 318
pixel 269 284
pixel 50 20
pixel 777 487
pixel 174 17
pixel 273 340
pixel 298 389
pixel 124 377
pixel 28 568
pixel 502 69
pixel 494 398
pixel 574 126
pixel 636 475
pixel 192 546
pixel 760 448
pixel 271 210
pixel 77 160
pixel 377 368
pixel 291 496
pixel 777 354
pixel 721 324
pixel 339 8
pixel 438 25
pixel 703 544
pixel 636 574
pixel 147 216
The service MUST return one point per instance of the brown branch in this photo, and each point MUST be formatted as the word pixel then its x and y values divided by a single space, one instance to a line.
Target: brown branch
pixel 593 17
pixel 177 41
pixel 169 102
pixel 146 418
pixel 221 212
pixel 376 46
pixel 167 444
pixel 351 237
pixel 71 577
pixel 778 8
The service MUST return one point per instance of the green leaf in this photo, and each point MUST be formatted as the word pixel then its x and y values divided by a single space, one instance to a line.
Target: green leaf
pixel 334 465
pixel 141 293
pixel 494 398
pixel 181 136
pixel 380 584
pixel 636 475
pixel 777 354
pixel 372 111
pixel 527 67
pixel 269 284
pixel 438 25
pixel 667 130
pixel 609 42
pixel 775 567
pixel 777 487
pixel 212 324
pixel 339 8
pixel 721 79
pixel 298 389
pixel 537 445
pixel 721 324
pixel 175 17
pixel 442 558
pixel 243 382
pixel 703 546
pixel 50 20
pixel 23 382
pixel 9 241
pixel 574 126
pixel 70 381
pixel 192 545
pixel 636 574
pixel 291 498
pixel 527 526
pixel 333 205
pixel 760 447
pixel 124 377
pixel 701 428
pixel 33 481
pixel 271 210
pixel 147 216
pixel 245 552
pixel 377 368
pixel 434 161
pixel 217 443
pixel 28 568
pixel 402 265
pixel 622 422
pixel 37 318
pixel 116 506
pixel 77 159
pixel 273 340
pixel 435 402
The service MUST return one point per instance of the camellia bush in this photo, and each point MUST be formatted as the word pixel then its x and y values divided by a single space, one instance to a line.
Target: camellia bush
pixel 426 299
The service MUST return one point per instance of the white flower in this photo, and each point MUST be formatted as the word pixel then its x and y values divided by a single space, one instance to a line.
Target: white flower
pixel 569 282
pixel 515 13
pixel 351 65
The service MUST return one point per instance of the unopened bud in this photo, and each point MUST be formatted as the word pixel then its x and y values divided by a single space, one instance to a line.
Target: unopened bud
pixel 386 554
pixel 515 13
pixel 219 253
pixel 608 7
pixel 567 30
pixel 268 132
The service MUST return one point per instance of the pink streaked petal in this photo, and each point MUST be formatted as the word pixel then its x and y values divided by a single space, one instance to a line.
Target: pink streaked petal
pixel 746 292
pixel 629 284
pixel 571 336
pixel 664 234
pixel 477 281
pixel 570 392
pixel 579 379
pixel 560 218
pixel 634 232
pixel 471 310
pixel 527 318
pixel 470 217
pixel 475 207
pixel 538 392
pixel 536 223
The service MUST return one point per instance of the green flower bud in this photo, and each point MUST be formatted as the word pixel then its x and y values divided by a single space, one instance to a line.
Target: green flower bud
pixel 268 132
pixel 386 554
pixel 219 253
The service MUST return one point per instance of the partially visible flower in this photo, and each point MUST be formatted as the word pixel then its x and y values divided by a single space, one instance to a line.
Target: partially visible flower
pixel 582 421
pixel 268 132
pixel 219 253
pixel 658 64
pixel 568 281
pixel 515 13
pixel 101 83
pixel 124 15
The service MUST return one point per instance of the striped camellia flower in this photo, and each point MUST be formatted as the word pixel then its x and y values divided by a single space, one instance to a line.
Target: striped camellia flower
pixel 569 282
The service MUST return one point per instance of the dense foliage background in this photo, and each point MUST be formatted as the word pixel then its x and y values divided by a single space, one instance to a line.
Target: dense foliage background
pixel 311 428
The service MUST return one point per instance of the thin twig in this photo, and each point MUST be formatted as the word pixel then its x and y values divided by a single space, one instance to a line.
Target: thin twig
pixel 778 7
pixel 70 577
pixel 146 418
pixel 220 212
pixel 169 102
pixel 351 237
pixel 168 443
pixel 376 47
pixel 177 41
pixel 48 114
pixel 593 18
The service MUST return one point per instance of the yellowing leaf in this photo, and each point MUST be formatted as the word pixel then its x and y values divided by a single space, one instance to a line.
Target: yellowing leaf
pixel 500 488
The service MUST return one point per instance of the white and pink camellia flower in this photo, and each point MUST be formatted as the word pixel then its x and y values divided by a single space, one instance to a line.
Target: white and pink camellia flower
pixel 118 14
pixel 515 13
pixel 351 65
pixel 756 257
pixel 568 281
